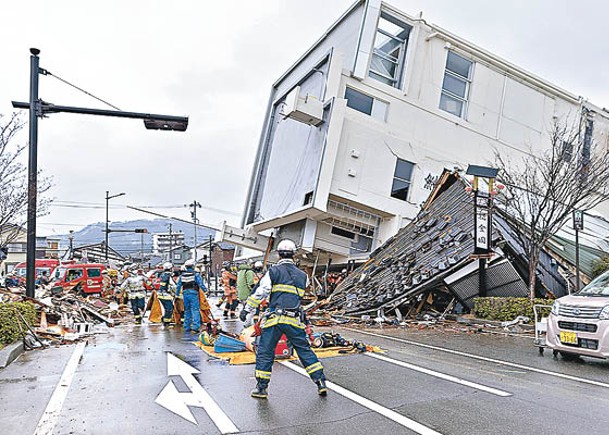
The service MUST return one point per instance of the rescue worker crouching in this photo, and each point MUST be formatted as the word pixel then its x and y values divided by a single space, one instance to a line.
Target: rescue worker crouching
pixel 166 293
pixel 136 291
pixel 190 281
pixel 284 285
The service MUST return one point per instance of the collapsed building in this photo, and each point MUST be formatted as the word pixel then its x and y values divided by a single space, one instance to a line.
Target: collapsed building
pixel 429 262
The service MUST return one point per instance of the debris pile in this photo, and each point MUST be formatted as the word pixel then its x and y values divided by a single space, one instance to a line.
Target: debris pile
pixel 426 270
pixel 67 315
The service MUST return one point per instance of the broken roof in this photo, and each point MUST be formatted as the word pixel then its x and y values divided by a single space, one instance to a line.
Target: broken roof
pixel 430 252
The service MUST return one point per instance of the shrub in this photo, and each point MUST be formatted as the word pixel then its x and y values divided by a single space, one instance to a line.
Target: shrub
pixel 9 321
pixel 504 309
pixel 600 266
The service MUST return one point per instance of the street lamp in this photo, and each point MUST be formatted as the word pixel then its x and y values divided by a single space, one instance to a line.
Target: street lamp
pixel 39 108
pixel 109 197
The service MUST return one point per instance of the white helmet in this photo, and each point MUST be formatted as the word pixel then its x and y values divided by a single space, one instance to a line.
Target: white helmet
pixel 189 263
pixel 258 264
pixel 167 266
pixel 286 248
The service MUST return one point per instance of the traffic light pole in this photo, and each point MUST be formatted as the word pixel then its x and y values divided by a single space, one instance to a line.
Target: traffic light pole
pixel 32 185
pixel 38 108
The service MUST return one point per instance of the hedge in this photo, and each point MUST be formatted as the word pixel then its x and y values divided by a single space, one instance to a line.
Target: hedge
pixel 505 309
pixel 9 321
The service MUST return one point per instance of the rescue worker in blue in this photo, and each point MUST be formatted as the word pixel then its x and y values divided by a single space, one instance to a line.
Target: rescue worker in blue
pixel 166 293
pixel 190 281
pixel 283 285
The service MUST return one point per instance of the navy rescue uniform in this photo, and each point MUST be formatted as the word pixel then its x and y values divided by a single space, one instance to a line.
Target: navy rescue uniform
pixel 283 286
pixel 166 295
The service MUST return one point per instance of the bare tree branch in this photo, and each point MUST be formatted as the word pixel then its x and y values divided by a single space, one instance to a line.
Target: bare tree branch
pixel 543 190
pixel 13 179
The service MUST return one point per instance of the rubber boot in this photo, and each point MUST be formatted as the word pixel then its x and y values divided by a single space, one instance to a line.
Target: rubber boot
pixel 260 392
pixel 322 389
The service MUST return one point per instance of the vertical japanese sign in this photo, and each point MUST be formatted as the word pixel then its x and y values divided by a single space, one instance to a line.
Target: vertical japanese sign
pixel 482 223
pixel 578 220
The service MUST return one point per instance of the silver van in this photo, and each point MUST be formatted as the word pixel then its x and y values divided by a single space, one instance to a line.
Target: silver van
pixel 579 323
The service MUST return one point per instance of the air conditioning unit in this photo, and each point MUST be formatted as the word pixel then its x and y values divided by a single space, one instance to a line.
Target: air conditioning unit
pixel 306 109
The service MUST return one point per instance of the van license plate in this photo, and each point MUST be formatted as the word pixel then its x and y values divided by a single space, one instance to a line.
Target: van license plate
pixel 568 337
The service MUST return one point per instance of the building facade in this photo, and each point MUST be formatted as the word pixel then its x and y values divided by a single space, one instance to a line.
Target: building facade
pixel 360 127
pixel 164 241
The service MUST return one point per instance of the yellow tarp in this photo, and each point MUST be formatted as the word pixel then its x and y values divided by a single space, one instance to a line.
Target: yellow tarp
pixel 247 357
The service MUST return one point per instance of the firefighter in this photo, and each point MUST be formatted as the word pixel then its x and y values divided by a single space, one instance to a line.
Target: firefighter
pixel 166 293
pixel 245 281
pixel 229 280
pixel 190 281
pixel 284 285
pixel 136 290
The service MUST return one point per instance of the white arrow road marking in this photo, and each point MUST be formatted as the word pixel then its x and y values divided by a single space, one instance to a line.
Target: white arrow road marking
pixel 367 403
pixel 51 413
pixel 178 403
pixel 440 375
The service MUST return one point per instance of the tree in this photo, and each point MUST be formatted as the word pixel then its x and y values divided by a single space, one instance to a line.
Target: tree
pixel 13 182
pixel 544 189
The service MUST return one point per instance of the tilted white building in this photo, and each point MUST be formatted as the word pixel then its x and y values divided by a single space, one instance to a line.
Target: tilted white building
pixel 358 129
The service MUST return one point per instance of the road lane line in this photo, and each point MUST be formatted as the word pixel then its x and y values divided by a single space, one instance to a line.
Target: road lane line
pixel 53 410
pixel 367 403
pixel 482 358
pixel 440 375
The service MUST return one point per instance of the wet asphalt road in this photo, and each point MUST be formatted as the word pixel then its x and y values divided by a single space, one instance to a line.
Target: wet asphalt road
pixel 119 376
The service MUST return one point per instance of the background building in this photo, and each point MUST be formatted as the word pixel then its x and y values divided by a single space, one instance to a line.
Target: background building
pixel 163 241
pixel 358 130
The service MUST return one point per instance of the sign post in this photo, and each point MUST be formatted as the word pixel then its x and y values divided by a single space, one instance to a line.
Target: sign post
pixel 483 220
pixel 578 224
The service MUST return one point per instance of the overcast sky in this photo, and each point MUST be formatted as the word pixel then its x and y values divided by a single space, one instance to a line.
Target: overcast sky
pixel 215 62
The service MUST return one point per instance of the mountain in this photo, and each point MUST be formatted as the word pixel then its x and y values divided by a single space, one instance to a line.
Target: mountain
pixel 131 243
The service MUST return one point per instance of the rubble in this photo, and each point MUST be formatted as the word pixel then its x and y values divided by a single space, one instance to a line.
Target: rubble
pixel 66 316
pixel 426 271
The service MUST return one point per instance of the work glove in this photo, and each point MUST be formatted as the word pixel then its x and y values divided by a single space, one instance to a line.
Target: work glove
pixel 243 315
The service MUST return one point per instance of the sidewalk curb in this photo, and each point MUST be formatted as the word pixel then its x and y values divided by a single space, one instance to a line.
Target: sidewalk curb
pixel 10 353
pixel 482 322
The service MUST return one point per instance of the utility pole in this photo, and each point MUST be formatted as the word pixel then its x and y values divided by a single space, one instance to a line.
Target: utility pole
pixel 170 242
pixel 193 214
pixel 71 238
pixel 108 198
pixel 209 269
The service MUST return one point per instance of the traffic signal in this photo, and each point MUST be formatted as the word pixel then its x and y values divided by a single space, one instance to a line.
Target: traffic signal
pixel 141 230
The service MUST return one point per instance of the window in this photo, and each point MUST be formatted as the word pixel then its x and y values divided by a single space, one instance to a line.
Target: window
pixel 401 179
pixel 366 104
pixel 74 274
pixel 455 89
pixel 308 199
pixel 343 233
pixel 389 50
pixel 94 273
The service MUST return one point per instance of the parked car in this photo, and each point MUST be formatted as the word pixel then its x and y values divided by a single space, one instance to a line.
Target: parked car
pixel 579 323
pixel 87 275
pixel 42 265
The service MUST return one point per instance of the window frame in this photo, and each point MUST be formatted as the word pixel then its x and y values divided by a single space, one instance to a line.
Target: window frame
pixel 375 110
pixel 466 80
pixel 399 62
pixel 403 180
